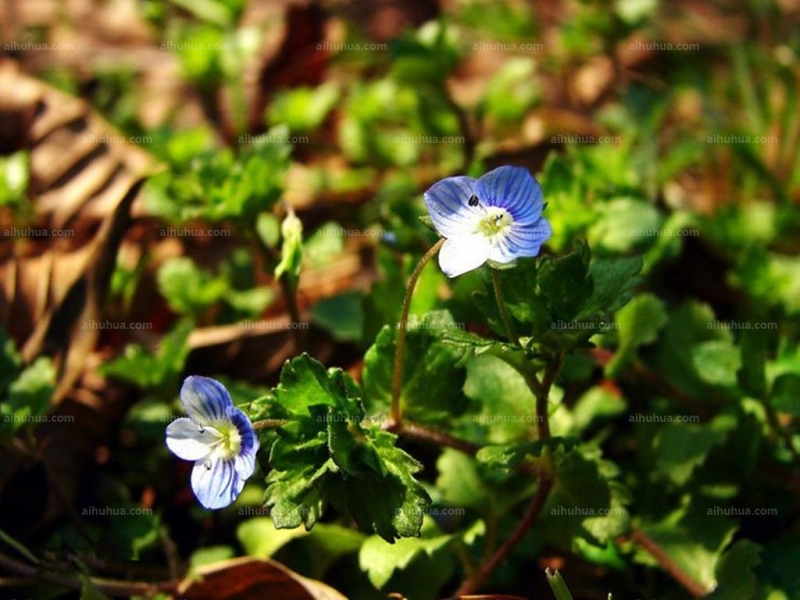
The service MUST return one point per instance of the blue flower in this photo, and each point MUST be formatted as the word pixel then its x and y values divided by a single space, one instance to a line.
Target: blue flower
pixel 496 218
pixel 218 437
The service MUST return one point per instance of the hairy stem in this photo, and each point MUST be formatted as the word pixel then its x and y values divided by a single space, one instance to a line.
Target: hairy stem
pixel 508 323
pixel 269 423
pixel 395 413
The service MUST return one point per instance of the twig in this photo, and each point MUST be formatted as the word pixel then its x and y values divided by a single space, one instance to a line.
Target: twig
pixel 542 392
pixel 670 566
pixel 109 586
pixel 531 514
pixel 439 438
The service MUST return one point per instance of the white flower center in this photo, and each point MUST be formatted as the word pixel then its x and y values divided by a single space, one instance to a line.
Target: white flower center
pixel 496 221
pixel 228 442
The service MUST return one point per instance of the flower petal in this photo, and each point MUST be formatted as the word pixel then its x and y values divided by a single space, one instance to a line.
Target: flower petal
pixel 521 241
pixel 216 483
pixel 463 253
pixel 188 441
pixel 448 206
pixel 245 463
pixel 514 189
pixel 205 399
pixel 242 422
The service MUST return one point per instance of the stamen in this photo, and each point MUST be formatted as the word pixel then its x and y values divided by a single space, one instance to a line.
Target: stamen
pixel 473 200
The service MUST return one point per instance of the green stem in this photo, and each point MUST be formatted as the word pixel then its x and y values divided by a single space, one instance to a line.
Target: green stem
pixel 269 423
pixel 395 417
pixel 546 478
pixel 511 331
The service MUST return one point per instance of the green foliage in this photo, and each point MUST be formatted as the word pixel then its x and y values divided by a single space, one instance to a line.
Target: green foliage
pixel 26 390
pixel 219 185
pixel 150 370
pixel 660 417
pixel 326 456
pixel 432 377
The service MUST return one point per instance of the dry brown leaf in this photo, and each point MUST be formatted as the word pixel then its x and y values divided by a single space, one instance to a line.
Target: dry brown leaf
pixel 250 578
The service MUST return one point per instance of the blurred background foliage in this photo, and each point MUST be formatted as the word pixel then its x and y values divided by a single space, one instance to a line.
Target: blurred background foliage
pixel 662 130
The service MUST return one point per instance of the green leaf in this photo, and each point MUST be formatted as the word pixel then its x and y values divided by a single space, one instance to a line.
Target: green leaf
pixel 260 537
pixel 614 280
pixel 325 456
pixel 625 225
pixel 509 456
pixel 717 362
pixel 188 289
pixel 303 109
pixel 680 448
pixel 692 540
pixel 785 394
pixel 10 360
pixel 464 482
pixel 305 383
pixel 586 502
pixel 295 497
pixel 209 556
pixel 29 395
pixel 639 323
pixel 735 572
pixel 342 316
pixel 565 283
pixel 380 560
pixel 505 406
pixel 689 324
pixel 153 370
pixel 268 228
pixel 432 375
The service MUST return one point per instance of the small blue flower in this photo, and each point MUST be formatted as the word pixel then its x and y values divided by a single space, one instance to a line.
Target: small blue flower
pixel 218 437
pixel 496 218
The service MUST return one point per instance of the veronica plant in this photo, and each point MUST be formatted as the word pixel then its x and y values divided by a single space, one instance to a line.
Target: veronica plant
pixel 325 454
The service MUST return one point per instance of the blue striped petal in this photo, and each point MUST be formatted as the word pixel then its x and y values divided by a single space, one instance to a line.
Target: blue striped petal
pixel 448 206
pixel 205 399
pixel 514 189
pixel 521 241
pixel 238 417
pixel 216 483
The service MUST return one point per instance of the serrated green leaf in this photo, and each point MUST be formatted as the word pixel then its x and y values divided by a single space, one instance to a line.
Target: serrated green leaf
pixel 260 537
pixel 379 560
